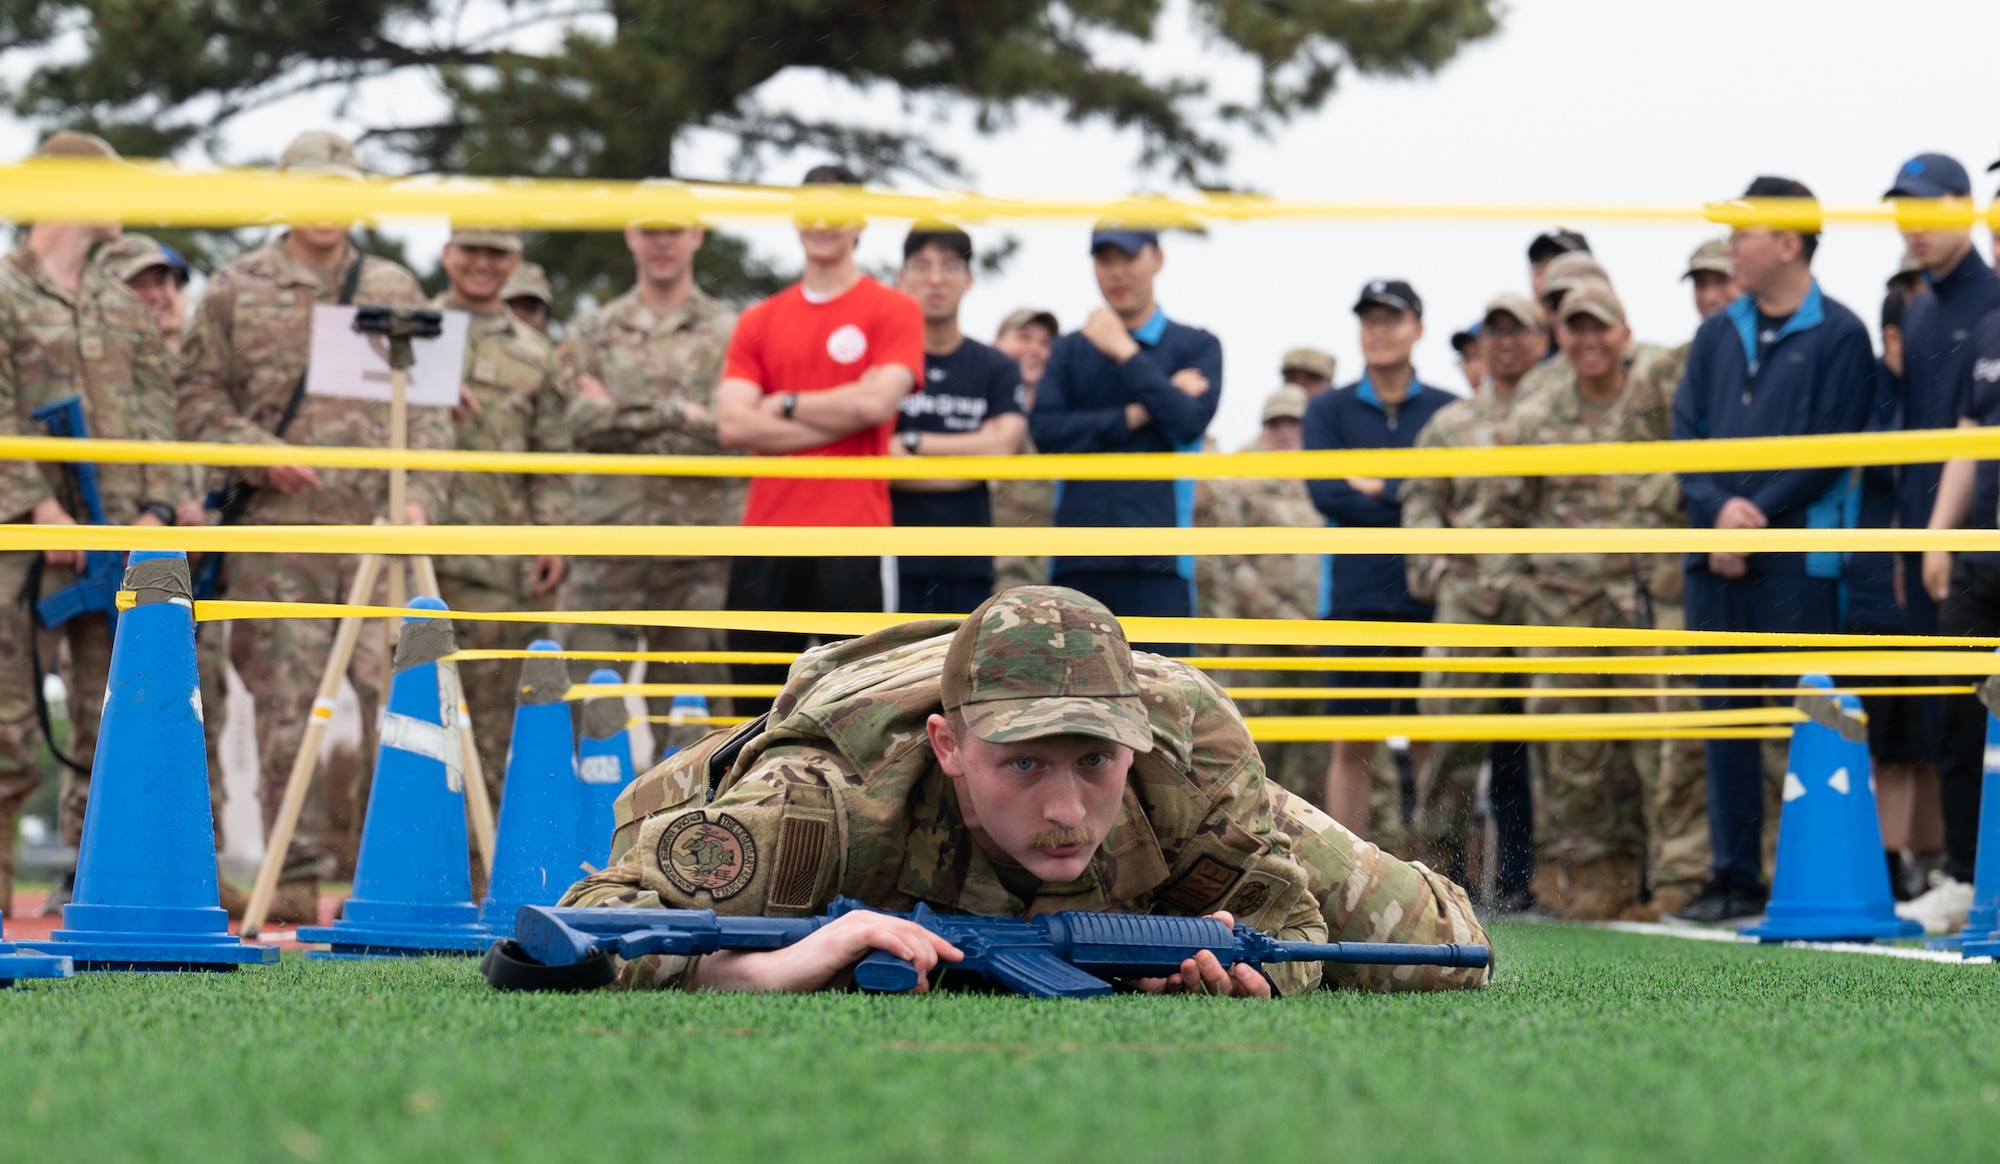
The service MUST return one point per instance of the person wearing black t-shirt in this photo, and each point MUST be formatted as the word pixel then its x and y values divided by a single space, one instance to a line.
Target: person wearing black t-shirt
pixel 969 404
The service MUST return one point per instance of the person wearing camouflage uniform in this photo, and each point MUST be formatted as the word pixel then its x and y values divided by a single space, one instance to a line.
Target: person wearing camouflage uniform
pixel 68 329
pixel 1514 334
pixel 846 788
pixel 1591 819
pixel 1268 585
pixel 510 403
pixel 639 374
pixel 527 295
pixel 242 366
pixel 1024 336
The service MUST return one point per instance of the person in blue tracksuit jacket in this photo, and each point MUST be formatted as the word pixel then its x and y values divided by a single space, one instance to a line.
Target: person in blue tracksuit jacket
pixel 1131 381
pixel 1783 360
pixel 1385 410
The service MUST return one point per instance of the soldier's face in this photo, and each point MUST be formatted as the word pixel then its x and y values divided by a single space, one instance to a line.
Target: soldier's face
pixel 1593 347
pixel 1029 347
pixel 323 237
pixel 1511 348
pixel 1045 805
pixel 1284 435
pixel 531 311
pixel 663 255
pixel 478 273
pixel 164 295
pixel 1713 291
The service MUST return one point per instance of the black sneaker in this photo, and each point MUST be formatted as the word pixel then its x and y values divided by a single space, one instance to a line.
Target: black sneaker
pixel 1720 901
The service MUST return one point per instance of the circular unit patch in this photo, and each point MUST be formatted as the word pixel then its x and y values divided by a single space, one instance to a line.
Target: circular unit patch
pixel 847 344
pixel 717 857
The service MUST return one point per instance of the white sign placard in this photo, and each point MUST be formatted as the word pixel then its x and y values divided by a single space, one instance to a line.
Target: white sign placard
pixel 346 363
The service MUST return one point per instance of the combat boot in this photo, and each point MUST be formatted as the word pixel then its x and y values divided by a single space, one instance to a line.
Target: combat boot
pixel 1599 889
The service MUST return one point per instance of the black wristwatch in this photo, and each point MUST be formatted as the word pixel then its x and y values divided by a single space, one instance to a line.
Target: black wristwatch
pixel 787 402
pixel 911 438
pixel 164 512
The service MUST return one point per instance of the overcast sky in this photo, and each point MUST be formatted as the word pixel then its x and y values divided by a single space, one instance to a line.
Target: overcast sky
pixel 1573 102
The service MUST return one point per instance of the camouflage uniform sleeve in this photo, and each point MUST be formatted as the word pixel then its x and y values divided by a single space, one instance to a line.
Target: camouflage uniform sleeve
pixel 1366 895
pixel 22 486
pixel 767 846
pixel 153 419
pixel 1426 501
pixel 204 407
pixel 551 496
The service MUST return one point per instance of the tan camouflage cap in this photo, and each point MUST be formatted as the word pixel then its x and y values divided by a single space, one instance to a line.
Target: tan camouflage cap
pixel 499 240
pixel 1525 310
pixel 1038 661
pixel 319 151
pixel 1567 270
pixel 1311 361
pixel 1024 316
pixel 1710 256
pixel 529 281
pixel 1287 403
pixel 1595 299
pixel 125 259
pixel 72 144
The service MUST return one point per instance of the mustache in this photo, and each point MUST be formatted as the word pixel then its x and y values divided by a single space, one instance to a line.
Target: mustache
pixel 1062 838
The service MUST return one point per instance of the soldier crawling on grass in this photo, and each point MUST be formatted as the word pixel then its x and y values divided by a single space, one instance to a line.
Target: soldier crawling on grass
pixel 1023 761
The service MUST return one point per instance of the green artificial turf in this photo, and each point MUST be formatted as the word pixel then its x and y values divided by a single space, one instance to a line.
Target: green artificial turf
pixel 1592 1046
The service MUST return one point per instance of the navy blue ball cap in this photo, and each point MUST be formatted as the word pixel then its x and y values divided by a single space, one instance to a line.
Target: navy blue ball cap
pixel 1931 176
pixel 1127 239
pixel 1391 293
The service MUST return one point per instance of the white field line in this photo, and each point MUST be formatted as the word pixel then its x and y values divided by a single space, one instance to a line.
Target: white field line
pixel 1703 934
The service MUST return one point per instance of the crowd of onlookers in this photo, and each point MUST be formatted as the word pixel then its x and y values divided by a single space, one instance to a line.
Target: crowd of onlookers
pixel 840 363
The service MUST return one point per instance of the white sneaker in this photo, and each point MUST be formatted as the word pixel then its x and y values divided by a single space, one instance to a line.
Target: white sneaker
pixel 1942 908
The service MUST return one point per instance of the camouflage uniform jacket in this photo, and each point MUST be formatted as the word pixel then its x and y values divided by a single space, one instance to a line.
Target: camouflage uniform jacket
pixel 1020 504
pixel 242 360
pixel 1557 414
pixel 97 343
pixel 1455 502
pixel 841 794
pixel 661 373
pixel 510 371
pixel 1257 585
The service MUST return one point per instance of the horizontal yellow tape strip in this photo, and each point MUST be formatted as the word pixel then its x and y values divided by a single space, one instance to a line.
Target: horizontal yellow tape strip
pixel 1752 453
pixel 770 690
pixel 1483 728
pixel 158 193
pixel 698 720
pixel 581 691
pixel 482 654
pixel 1238 631
pixel 698 541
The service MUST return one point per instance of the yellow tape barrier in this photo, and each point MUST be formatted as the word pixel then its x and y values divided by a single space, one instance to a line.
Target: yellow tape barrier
pixel 770 690
pixel 1482 728
pixel 1230 631
pixel 967 541
pixel 142 192
pixel 1751 453
pixel 483 654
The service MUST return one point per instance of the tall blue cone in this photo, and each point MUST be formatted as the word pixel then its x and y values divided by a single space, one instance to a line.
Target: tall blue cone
pixel 684 709
pixel 16 963
pixel 413 879
pixel 603 767
pixel 1831 884
pixel 1980 938
pixel 534 851
pixel 146 896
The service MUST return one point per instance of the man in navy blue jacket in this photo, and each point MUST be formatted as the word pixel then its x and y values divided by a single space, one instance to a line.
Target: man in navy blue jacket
pixel 1131 381
pixel 1784 360
pixel 1386 410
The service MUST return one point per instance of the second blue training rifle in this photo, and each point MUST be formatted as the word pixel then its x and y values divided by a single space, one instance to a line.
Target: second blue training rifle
pixel 96 587
pixel 1071 954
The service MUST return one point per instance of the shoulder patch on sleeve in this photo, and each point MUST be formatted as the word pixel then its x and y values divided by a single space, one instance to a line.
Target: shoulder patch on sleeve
pixel 1201 885
pixel 1255 895
pixel 704 852
pixel 796 874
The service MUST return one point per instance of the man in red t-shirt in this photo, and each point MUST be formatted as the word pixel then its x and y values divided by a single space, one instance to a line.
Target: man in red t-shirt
pixel 818 370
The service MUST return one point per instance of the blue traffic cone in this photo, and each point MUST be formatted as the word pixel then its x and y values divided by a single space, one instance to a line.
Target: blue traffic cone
pixel 603 767
pixel 683 710
pixel 1831 884
pixel 534 850
pixel 413 879
pixel 146 896
pixel 16 963
pixel 1980 937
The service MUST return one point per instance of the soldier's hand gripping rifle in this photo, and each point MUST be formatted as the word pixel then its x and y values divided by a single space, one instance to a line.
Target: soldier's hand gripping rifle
pixel 95 590
pixel 1060 955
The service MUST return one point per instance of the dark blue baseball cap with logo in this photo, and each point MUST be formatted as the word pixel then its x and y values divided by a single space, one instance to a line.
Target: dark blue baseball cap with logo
pixel 1394 294
pixel 1931 176
pixel 1131 240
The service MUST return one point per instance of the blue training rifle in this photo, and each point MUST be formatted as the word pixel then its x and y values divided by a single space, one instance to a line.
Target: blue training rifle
pixel 1057 955
pixel 96 588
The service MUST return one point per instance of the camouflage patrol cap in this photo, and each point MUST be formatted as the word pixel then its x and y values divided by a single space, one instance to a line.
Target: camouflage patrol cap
pixel 1311 361
pixel 1711 256
pixel 1038 661
pixel 73 144
pixel 529 281
pixel 1024 316
pixel 134 254
pixel 319 151
pixel 1567 270
pixel 1524 310
pixel 1595 299
pixel 1287 403
pixel 499 240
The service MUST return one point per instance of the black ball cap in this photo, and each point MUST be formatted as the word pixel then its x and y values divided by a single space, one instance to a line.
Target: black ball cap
pixel 1560 241
pixel 1391 293
pixel 1765 186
